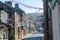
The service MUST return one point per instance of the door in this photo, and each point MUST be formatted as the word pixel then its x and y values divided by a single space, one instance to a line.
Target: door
pixel 1 34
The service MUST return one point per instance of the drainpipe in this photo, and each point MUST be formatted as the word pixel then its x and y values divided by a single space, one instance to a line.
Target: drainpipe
pixel 0 16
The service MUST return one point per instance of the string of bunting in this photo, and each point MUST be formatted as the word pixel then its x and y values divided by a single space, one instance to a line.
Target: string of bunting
pixel 27 5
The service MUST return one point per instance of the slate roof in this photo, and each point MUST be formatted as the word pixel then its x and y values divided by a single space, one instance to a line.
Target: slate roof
pixel 8 9
pixel 11 10
pixel 20 11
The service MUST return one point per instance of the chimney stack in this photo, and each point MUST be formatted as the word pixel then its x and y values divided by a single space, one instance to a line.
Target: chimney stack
pixel 9 3
pixel 16 6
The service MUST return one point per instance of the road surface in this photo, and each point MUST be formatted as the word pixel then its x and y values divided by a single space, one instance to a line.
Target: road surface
pixel 34 36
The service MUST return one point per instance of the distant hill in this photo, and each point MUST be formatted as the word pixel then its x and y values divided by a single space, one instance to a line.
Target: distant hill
pixel 35 15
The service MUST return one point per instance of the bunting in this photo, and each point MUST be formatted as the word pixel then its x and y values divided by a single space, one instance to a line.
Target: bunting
pixel 25 5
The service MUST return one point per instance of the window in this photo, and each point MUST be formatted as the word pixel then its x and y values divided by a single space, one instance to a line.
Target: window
pixel 9 19
pixel 49 13
pixel 5 34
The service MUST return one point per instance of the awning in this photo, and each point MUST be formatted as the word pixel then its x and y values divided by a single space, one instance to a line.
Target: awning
pixel 2 25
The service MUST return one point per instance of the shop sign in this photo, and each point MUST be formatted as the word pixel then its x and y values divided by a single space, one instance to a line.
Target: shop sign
pixel 1 25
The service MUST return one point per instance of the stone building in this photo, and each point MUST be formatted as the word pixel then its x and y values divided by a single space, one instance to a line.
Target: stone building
pixel 4 21
pixel 51 12
pixel 55 13
pixel 13 19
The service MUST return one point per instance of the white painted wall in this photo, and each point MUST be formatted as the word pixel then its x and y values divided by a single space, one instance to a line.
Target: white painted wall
pixel 55 23
pixel 4 16
pixel 59 18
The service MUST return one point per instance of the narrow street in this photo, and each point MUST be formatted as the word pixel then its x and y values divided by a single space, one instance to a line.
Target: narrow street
pixel 38 35
pixel 18 22
pixel 29 19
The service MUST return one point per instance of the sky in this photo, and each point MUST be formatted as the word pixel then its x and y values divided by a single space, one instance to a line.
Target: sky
pixel 34 3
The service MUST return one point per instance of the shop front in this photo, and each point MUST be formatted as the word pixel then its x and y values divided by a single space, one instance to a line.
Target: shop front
pixel 3 32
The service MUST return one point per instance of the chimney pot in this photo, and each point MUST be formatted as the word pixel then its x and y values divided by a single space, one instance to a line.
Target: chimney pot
pixel 9 3
pixel 16 6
